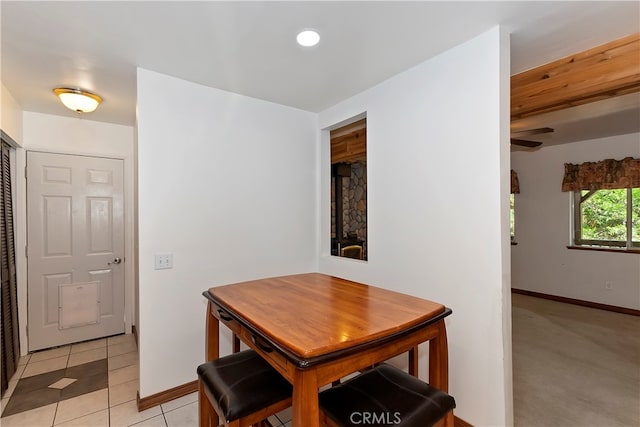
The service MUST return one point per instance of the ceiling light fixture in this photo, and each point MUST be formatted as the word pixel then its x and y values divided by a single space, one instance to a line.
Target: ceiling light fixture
pixel 78 100
pixel 308 38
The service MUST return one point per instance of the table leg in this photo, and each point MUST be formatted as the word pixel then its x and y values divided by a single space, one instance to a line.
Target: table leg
pixel 413 361
pixel 212 350
pixel 236 344
pixel 306 412
pixel 439 359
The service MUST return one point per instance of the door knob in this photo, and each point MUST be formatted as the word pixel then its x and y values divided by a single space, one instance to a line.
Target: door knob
pixel 115 261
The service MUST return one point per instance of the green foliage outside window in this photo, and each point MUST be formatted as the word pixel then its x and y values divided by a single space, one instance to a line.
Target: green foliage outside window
pixel 604 215
pixel 635 214
pixel 513 216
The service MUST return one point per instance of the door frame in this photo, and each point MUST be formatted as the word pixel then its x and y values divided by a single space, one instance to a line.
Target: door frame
pixel 130 307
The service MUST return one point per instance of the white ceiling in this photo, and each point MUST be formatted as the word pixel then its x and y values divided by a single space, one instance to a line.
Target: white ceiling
pixel 249 47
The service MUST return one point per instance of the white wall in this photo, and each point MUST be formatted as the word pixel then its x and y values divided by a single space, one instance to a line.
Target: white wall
pixel 10 115
pixel 541 261
pixel 438 184
pixel 227 184
pixel 58 134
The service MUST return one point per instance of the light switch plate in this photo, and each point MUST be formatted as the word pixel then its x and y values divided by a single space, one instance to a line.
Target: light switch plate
pixel 163 261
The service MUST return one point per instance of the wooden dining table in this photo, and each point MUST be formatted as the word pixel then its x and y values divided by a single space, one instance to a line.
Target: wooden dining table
pixel 315 329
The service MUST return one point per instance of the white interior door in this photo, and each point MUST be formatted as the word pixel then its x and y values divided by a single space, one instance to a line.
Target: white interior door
pixel 75 248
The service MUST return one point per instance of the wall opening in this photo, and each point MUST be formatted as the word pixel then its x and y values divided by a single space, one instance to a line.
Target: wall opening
pixel 349 190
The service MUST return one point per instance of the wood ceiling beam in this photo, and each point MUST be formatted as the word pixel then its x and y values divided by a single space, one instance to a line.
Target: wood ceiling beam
pixel 612 69
pixel 349 148
pixel 349 143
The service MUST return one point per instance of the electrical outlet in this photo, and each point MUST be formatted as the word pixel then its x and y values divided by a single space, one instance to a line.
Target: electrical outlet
pixel 163 261
pixel 608 285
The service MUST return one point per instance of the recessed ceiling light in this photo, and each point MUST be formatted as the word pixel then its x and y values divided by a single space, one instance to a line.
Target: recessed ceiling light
pixel 308 38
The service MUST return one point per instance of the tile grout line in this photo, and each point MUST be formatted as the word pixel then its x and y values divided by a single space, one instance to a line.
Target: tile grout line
pixel 64 375
pixel 106 342
pixel 55 414
pixel 81 416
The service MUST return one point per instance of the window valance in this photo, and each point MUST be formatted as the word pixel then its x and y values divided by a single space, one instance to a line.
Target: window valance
pixel 515 184
pixel 607 174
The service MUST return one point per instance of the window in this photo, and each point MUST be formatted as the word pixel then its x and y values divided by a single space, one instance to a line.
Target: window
pixel 515 188
pixel 512 205
pixel 608 218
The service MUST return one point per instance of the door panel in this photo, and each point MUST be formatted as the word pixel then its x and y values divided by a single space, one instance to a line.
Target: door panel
pixel 75 230
pixel 100 225
pixel 53 175
pixel 57 223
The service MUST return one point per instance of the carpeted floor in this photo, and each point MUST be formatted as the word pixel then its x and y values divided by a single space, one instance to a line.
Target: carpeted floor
pixel 574 366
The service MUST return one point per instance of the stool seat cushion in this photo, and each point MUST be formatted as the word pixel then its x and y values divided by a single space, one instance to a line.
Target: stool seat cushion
pixel 385 395
pixel 243 383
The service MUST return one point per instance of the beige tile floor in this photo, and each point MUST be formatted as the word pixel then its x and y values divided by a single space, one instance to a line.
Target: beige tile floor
pixel 112 406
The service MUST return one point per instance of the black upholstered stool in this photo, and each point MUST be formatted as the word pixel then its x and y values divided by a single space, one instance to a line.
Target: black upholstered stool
pixel 386 396
pixel 242 389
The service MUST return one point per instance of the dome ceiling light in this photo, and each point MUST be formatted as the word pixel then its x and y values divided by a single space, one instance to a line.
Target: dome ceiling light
pixel 78 100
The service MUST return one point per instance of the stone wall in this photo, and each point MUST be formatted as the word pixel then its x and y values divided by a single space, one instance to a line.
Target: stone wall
pixel 355 197
pixel 354 193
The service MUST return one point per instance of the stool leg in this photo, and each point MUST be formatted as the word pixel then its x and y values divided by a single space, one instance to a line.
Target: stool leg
pixel 208 417
pixel 448 419
pixel 203 411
